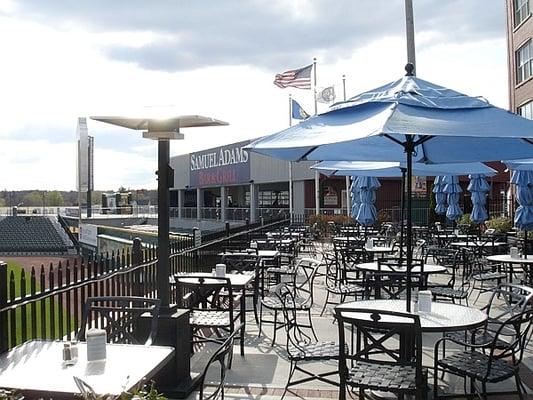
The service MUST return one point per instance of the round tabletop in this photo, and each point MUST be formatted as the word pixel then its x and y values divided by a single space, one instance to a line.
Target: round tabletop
pixel 506 258
pixel 444 317
pixel 477 244
pixel 428 268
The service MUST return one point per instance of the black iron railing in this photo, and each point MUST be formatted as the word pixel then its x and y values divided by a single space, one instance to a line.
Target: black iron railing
pixel 46 302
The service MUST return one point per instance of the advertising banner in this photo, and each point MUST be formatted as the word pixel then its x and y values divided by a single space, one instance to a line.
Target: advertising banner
pixel 89 234
pixel 225 165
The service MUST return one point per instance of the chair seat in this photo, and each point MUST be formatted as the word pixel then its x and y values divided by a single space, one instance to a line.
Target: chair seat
pixel 344 288
pixel 281 270
pixel 449 292
pixel 210 318
pixel 395 378
pixel 480 338
pixel 274 302
pixel 488 276
pixel 474 364
pixel 314 351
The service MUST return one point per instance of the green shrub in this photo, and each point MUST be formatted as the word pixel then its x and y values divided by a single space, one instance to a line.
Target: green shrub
pixel 499 224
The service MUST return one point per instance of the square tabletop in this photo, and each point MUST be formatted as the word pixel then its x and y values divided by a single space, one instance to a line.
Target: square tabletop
pixel 37 365
pixel 238 281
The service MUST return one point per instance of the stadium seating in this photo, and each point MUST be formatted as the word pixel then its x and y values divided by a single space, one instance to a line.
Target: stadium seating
pixel 30 234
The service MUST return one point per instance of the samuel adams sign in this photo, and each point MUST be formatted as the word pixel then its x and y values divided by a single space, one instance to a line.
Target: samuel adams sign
pixel 226 165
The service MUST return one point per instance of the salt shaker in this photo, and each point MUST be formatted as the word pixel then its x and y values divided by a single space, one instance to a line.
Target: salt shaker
pixel 67 354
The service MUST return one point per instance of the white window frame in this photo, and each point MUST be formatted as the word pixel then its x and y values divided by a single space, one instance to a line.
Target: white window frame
pixel 521 11
pixel 524 67
pixel 526 110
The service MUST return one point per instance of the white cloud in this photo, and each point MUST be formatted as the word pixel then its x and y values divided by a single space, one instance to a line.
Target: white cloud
pixel 53 73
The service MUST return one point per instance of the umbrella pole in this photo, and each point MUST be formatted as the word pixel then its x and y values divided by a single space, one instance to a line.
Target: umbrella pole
pixel 409 148
pixel 525 243
pixel 402 211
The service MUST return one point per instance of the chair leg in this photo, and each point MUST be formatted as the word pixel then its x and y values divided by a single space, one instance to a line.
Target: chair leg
pixel 291 373
pixel 275 327
pixel 519 387
pixel 325 304
pixel 311 324
pixel 260 320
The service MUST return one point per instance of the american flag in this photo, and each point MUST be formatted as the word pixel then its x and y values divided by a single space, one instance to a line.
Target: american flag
pixel 297 78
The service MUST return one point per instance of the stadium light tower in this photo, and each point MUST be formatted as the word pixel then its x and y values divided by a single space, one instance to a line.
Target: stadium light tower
pixel 163 130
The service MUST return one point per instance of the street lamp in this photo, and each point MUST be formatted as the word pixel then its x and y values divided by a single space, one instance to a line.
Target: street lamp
pixel 163 130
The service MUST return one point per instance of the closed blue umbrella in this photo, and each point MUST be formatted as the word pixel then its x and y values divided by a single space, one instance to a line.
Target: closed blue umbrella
pixel 479 188
pixel 356 198
pixel 440 196
pixel 523 218
pixel 453 190
pixel 367 186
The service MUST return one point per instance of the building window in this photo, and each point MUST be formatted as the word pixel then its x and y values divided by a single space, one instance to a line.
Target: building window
pixel 521 11
pixel 526 110
pixel 523 60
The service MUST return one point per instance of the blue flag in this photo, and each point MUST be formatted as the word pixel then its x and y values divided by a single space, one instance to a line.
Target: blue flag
pixel 297 111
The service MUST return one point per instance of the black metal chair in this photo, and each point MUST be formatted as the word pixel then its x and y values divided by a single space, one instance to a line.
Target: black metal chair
pixel 452 289
pixel 387 354
pixel 221 358
pixel 337 284
pixel 300 346
pixel 505 351
pixel 506 301
pixel 302 285
pixel 120 316
pixel 214 309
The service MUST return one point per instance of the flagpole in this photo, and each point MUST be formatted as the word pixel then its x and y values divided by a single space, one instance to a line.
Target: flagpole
pixel 314 85
pixel 290 110
pixel 344 86
pixel 410 33
pixel 290 166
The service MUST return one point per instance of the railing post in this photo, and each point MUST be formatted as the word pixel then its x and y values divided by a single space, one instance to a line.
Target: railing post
pixel 3 304
pixel 137 259
pixel 227 229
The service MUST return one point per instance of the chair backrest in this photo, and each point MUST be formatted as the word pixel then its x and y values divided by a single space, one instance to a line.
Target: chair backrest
pixel 204 293
pixel 222 356
pixel 119 316
pixel 508 300
pixel 514 332
pixel 241 263
pixel 304 277
pixel 296 336
pixel 383 337
pixel 332 269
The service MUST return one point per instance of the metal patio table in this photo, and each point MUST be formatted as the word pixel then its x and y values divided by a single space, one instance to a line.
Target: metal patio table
pixel 36 368
pixel 525 263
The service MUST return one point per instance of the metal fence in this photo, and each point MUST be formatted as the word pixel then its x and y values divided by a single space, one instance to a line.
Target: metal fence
pixel 47 301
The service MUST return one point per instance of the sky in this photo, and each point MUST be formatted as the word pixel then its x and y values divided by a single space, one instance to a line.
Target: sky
pixel 64 59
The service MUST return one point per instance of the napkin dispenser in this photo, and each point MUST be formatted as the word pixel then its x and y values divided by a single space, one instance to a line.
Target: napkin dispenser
pixel 369 244
pixel 424 301
pixel 513 252
pixel 220 270
pixel 96 344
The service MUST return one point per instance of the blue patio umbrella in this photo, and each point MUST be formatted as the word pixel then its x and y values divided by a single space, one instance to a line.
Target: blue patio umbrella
pixel 440 196
pixel 452 190
pixel 367 214
pixel 478 187
pixel 523 219
pixel 356 199
pixel 406 120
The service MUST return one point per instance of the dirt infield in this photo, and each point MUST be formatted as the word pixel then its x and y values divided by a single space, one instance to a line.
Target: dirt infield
pixel 27 262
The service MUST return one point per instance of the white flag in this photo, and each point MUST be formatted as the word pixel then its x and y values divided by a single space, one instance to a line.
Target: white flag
pixel 326 95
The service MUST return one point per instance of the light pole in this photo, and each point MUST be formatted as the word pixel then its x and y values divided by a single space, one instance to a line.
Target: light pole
pixel 163 130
